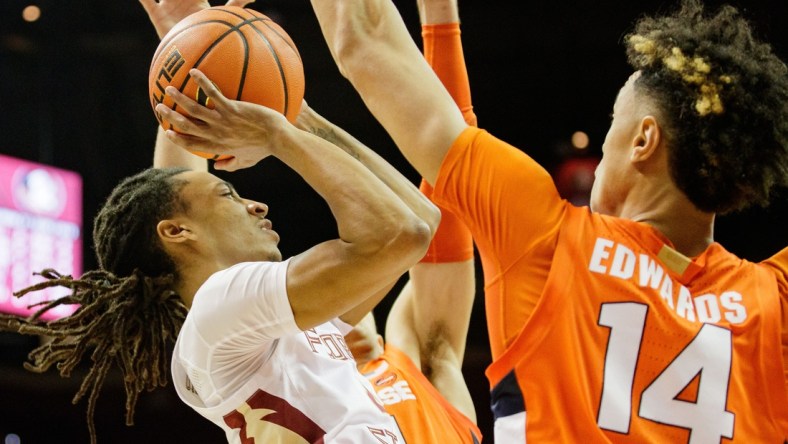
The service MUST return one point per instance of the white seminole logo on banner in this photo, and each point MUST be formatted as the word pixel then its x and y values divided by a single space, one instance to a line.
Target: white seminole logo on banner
pixel 40 227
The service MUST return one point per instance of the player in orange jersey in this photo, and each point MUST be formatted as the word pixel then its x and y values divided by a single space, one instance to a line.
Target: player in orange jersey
pixel 625 321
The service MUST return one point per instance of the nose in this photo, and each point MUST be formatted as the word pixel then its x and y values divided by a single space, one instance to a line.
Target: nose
pixel 257 209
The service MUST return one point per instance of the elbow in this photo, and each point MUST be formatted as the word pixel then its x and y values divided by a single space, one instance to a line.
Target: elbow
pixel 343 41
pixel 348 53
pixel 432 217
pixel 413 239
pixel 359 37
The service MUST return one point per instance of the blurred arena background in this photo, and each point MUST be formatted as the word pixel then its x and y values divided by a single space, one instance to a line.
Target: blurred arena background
pixel 73 94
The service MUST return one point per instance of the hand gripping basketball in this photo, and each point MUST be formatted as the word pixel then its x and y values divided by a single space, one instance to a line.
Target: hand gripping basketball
pixel 248 57
pixel 247 132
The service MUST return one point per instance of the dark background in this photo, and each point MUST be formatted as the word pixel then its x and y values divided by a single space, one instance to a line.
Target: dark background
pixel 73 94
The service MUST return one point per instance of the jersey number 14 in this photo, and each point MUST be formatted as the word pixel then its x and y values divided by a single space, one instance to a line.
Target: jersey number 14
pixel 707 357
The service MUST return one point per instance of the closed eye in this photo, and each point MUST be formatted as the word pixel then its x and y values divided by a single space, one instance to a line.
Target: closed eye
pixel 228 190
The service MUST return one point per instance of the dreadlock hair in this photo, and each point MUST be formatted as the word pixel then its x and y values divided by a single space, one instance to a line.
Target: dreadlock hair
pixel 128 313
pixel 723 98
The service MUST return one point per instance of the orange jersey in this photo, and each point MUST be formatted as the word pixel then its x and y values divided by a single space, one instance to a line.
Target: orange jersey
pixel 601 332
pixel 423 415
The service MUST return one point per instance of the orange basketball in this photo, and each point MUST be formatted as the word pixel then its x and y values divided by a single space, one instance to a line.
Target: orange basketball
pixel 247 55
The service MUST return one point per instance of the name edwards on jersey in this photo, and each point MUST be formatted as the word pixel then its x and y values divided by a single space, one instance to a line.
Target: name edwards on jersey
pixel 619 261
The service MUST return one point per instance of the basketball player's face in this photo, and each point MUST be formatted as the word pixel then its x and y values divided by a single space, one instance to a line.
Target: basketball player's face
pixel 613 176
pixel 225 226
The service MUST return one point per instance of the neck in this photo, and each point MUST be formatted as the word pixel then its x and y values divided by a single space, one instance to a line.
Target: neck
pixel 667 209
pixel 191 279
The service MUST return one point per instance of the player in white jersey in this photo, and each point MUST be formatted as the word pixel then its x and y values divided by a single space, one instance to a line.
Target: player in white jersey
pixel 242 361
pixel 244 358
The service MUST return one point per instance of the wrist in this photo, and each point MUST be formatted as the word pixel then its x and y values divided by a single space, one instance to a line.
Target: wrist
pixel 439 12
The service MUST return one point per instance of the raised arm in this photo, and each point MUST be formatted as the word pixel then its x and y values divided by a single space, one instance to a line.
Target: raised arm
pixel 168 154
pixel 309 120
pixel 373 49
pixel 379 236
pixel 429 320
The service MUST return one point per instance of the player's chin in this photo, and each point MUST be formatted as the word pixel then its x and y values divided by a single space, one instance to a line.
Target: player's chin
pixel 273 234
pixel 275 256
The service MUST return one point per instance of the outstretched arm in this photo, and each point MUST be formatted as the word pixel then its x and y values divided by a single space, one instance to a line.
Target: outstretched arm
pixel 429 321
pixel 373 49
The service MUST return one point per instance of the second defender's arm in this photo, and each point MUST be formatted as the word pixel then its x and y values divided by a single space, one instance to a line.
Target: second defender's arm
pixel 430 319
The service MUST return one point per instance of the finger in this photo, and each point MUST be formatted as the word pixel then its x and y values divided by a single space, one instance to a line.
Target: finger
pixel 208 87
pixel 184 124
pixel 189 105
pixel 183 140
pixel 192 143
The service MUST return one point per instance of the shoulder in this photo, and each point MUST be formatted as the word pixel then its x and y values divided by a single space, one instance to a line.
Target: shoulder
pixel 778 264
pixel 244 272
pixel 246 279
pixel 248 297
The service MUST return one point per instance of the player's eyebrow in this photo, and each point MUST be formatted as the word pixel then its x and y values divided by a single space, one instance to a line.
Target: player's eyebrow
pixel 228 185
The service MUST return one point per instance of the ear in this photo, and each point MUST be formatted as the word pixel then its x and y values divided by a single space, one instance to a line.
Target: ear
pixel 169 230
pixel 647 140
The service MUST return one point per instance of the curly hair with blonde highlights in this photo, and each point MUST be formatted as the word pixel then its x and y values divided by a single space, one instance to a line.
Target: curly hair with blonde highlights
pixel 129 316
pixel 723 97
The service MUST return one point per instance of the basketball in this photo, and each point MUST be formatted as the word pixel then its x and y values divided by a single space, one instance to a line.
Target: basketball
pixel 243 52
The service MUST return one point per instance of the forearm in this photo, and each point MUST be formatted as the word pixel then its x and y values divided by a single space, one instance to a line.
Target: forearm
pixel 168 154
pixel 379 236
pixel 309 120
pixel 364 208
pixel 442 44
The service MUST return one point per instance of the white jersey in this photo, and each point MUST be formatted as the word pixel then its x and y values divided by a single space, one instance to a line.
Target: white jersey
pixel 241 361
